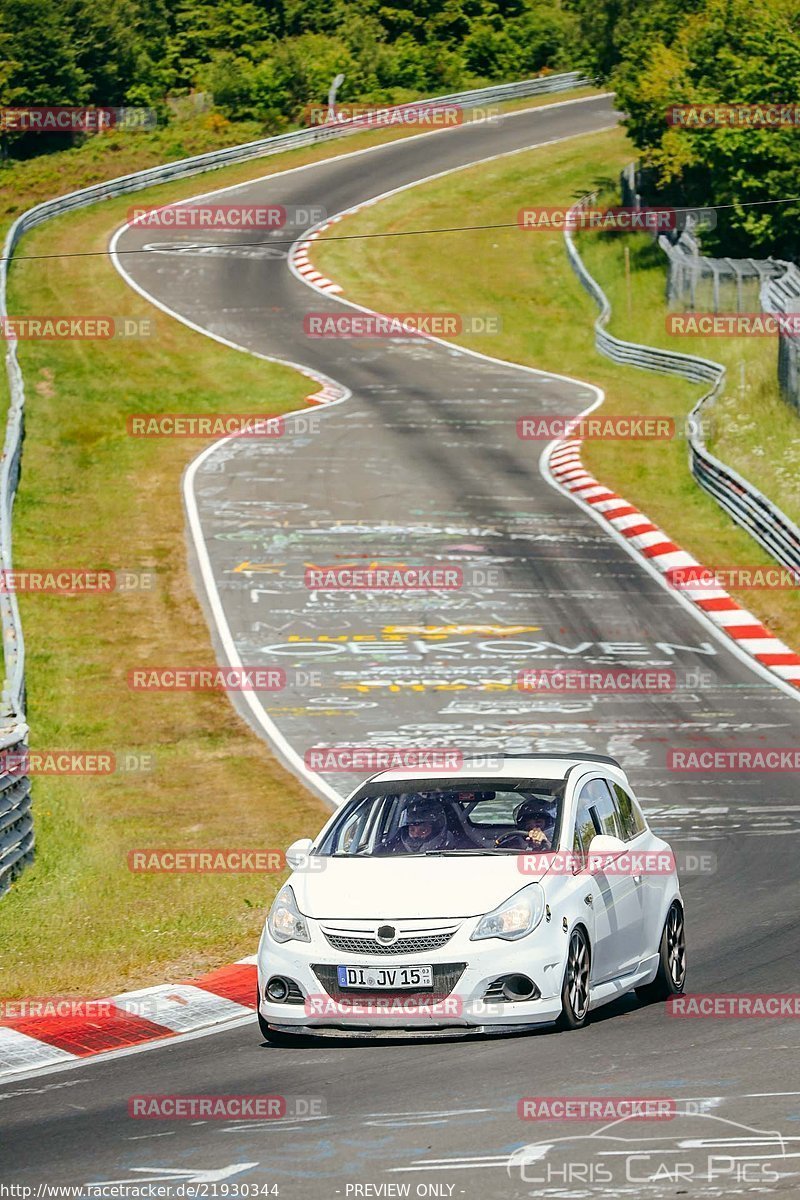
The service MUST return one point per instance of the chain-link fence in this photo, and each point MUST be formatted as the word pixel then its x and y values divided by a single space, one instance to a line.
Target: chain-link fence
pixel 698 283
pixel 782 295
pixel 702 284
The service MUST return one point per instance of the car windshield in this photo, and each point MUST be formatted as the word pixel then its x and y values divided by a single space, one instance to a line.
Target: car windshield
pixel 444 817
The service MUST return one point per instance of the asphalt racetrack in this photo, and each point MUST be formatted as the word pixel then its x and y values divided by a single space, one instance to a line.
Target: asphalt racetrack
pixel 420 463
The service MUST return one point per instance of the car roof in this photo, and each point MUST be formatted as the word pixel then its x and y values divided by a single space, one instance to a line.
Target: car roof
pixel 507 766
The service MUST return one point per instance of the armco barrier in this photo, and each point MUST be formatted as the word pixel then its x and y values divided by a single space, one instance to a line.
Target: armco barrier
pixel 748 507
pixel 16 836
pixel 16 822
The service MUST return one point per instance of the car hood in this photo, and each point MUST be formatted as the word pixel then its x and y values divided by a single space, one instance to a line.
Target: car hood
pixel 408 887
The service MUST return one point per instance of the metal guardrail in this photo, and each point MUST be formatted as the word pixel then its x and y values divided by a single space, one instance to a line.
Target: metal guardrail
pixel 16 821
pixel 16 836
pixel 748 507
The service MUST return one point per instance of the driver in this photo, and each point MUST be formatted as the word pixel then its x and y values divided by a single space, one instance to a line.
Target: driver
pixel 423 826
pixel 534 826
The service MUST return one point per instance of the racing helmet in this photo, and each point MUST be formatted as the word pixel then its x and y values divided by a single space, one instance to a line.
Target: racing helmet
pixel 423 810
pixel 533 807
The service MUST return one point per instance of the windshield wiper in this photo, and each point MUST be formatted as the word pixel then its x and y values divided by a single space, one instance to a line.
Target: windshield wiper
pixel 477 850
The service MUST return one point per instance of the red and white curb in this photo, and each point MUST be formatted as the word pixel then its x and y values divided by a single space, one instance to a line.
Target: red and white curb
pixel 120 1022
pixel 327 394
pixel 328 391
pixel 298 253
pixel 298 257
pixel 652 543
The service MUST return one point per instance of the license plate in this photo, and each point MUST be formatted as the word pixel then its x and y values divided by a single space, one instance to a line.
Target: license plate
pixel 390 978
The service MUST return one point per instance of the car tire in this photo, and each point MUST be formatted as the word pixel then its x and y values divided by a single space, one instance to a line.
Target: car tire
pixel 670 978
pixel 575 989
pixel 275 1037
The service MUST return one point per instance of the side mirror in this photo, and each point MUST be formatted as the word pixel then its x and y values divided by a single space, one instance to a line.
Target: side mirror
pixel 604 843
pixel 602 848
pixel 297 854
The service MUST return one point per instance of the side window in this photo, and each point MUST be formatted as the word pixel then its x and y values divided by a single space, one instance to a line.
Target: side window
pixel 597 795
pixel 585 829
pixel 345 837
pixel 630 814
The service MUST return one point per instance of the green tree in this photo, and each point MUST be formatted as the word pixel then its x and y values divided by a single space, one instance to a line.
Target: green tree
pixel 732 52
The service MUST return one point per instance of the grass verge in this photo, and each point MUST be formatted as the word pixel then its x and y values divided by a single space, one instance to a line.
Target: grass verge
pixel 524 278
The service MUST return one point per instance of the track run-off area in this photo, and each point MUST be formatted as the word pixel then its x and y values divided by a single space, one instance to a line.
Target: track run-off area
pixel 414 458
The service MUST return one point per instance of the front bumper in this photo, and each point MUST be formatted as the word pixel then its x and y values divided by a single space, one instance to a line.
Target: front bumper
pixel 463 972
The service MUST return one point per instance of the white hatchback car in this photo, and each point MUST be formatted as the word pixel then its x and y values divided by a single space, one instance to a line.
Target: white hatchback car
pixel 472 901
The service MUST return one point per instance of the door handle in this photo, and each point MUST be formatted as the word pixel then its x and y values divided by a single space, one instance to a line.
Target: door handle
pixel 588 898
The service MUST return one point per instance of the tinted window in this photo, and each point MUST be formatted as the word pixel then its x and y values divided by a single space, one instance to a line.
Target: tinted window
pixel 498 807
pixel 597 796
pixel 585 830
pixel 630 813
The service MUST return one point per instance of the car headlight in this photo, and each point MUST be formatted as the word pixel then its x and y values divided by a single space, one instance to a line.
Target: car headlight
pixel 285 921
pixel 514 917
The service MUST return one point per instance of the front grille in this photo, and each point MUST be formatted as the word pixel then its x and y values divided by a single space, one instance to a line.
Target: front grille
pixel 445 978
pixel 404 945
pixel 495 990
pixel 295 996
pixel 495 993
